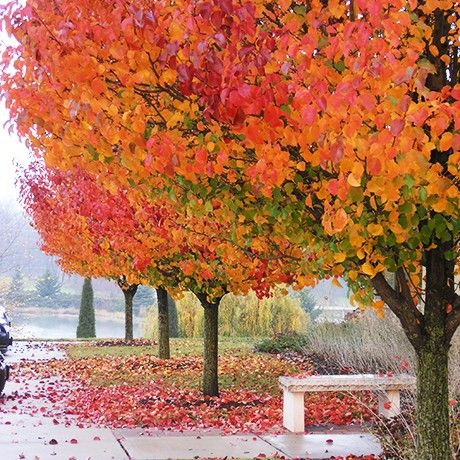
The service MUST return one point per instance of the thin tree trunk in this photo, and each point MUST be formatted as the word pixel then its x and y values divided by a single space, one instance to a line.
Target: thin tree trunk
pixel 173 319
pixel 129 291
pixel 211 353
pixel 211 346
pixel 163 324
pixel 129 294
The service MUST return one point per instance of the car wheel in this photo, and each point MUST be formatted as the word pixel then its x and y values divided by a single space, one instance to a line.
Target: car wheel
pixel 4 374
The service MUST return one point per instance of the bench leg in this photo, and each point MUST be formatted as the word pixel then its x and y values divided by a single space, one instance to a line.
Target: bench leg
pixel 293 411
pixel 389 403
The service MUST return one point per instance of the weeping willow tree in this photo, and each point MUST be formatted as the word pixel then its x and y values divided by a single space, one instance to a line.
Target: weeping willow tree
pixel 245 316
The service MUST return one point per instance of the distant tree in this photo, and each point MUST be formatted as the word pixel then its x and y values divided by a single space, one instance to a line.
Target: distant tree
pixel 87 321
pixel 173 318
pixel 48 285
pixel 16 288
pixel 308 303
pixel 10 229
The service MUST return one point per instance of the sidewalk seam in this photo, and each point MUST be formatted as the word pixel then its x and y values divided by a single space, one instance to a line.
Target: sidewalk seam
pixel 121 445
pixel 270 444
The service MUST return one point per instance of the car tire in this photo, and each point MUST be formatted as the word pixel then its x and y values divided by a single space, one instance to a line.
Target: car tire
pixel 4 375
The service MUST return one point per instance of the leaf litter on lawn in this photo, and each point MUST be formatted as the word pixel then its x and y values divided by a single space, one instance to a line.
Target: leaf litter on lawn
pixel 144 391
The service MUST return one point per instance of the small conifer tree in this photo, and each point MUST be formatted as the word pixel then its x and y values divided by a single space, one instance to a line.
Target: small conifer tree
pixel 87 321
pixel 48 285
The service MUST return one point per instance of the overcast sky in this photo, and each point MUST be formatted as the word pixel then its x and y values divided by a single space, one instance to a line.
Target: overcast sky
pixel 11 151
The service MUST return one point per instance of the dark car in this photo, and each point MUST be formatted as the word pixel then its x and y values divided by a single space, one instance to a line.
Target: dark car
pixel 5 331
pixel 4 373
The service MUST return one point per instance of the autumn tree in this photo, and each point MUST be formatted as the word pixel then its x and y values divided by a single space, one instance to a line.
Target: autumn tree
pixel 76 220
pixel 331 124
pixel 94 232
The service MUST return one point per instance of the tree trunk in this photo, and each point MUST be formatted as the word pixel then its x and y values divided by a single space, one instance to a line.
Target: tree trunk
pixel 433 436
pixel 129 291
pixel 211 346
pixel 173 319
pixel 432 419
pixel 430 333
pixel 163 324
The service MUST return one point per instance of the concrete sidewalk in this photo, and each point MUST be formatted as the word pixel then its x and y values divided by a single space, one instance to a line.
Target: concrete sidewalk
pixel 311 446
pixel 47 442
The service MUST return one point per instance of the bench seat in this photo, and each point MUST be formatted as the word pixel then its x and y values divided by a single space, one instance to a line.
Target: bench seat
pixel 387 387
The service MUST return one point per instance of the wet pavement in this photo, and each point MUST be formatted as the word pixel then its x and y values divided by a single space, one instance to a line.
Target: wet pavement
pixel 35 427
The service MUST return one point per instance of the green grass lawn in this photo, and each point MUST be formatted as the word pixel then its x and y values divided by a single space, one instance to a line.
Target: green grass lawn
pixel 239 366
pixel 179 347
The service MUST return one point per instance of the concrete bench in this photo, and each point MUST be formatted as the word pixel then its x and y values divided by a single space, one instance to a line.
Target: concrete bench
pixel 387 387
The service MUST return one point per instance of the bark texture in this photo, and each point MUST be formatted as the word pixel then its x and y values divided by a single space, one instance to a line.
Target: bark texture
pixel 163 324
pixel 211 346
pixel 432 418
pixel 129 291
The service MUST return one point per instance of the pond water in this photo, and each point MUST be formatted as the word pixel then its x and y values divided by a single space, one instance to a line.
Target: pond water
pixel 47 326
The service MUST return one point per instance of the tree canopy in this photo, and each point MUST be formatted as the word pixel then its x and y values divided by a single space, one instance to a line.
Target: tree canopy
pixel 325 132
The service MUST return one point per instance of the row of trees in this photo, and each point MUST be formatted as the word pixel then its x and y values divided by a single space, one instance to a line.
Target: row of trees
pixel 47 286
pixel 47 292
pixel 226 146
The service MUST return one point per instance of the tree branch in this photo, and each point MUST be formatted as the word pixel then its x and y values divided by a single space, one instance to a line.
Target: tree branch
pixel 411 318
pixel 402 284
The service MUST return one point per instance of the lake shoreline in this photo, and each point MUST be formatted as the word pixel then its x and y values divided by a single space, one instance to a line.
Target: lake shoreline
pixel 66 312
pixel 61 323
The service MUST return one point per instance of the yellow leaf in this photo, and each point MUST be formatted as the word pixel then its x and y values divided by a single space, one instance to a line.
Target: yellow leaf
pixel 446 142
pixel 440 206
pixel 367 269
pixel 452 192
pixel 353 274
pixel 340 220
pixel 353 181
pixel 168 77
pixel 339 257
pixel 375 229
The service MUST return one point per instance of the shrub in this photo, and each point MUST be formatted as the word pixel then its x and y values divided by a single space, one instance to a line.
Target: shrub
pixel 281 343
